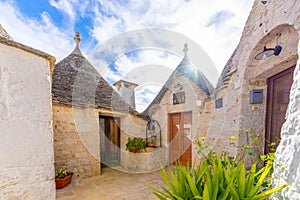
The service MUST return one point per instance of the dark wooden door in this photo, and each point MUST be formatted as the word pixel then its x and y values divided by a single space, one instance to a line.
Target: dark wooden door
pixel 277 102
pixel 180 138
pixel 109 141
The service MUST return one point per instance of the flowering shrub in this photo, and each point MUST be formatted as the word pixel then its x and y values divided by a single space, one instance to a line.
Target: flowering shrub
pixel 62 173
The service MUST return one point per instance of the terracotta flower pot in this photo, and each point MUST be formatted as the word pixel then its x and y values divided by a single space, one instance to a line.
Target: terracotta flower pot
pixel 150 145
pixel 133 150
pixel 62 182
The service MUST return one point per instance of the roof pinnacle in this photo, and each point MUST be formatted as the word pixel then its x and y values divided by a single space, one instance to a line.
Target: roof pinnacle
pixel 77 40
pixel 185 50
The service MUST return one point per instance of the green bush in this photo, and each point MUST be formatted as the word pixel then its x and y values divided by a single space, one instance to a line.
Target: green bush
pixel 138 143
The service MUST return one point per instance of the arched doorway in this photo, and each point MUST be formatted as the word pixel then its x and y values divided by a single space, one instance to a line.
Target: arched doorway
pixel 274 76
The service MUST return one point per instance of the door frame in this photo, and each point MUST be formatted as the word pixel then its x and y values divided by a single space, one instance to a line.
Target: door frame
pixel 170 134
pixel 269 106
pixel 106 132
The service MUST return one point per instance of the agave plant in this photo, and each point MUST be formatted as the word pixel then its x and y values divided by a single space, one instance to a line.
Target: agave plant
pixel 216 178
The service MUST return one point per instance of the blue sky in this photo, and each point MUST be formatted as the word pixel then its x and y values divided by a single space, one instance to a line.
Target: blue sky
pixel 49 25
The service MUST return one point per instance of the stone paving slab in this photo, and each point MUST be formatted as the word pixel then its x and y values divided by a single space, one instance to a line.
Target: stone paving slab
pixel 112 185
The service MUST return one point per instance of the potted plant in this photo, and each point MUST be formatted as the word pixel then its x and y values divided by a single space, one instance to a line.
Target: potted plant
pixel 136 144
pixel 152 141
pixel 62 178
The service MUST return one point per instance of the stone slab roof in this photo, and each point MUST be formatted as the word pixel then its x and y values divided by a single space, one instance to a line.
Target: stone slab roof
pixel 4 34
pixel 77 83
pixel 225 75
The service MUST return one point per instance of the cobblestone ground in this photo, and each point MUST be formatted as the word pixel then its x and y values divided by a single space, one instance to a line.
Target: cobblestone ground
pixel 112 185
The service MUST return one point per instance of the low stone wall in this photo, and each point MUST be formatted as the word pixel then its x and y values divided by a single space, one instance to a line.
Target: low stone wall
pixel 147 161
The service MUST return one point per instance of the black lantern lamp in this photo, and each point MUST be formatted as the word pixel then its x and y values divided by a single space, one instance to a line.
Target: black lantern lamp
pixel 268 52
pixel 153 132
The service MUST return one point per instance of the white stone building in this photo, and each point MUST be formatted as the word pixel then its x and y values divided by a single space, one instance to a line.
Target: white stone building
pixel 26 144
pixel 183 109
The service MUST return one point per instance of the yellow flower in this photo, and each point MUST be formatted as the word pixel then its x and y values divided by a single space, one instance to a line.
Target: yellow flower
pixel 202 138
pixel 232 137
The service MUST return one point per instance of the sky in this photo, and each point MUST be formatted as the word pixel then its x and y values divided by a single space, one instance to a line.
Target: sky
pixel 49 25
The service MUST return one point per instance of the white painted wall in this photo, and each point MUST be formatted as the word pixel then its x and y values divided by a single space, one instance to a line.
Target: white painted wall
pixel 26 145
pixel 287 159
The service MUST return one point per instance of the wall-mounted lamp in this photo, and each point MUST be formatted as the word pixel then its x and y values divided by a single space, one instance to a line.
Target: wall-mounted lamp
pixel 268 52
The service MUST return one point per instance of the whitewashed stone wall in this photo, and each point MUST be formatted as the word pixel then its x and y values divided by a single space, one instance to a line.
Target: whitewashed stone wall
pixel 196 102
pixel 26 146
pixel 287 159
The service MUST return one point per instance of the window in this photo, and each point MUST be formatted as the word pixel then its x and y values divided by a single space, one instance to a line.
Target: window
pixel 178 98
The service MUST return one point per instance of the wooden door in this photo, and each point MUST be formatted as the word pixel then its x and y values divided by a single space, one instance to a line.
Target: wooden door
pixel 277 102
pixel 109 141
pixel 180 138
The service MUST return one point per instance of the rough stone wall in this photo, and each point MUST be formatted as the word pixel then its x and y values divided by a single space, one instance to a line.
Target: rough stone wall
pixel 287 159
pixel 69 147
pixel 131 126
pixel 77 139
pixel 266 19
pixel 201 111
pixel 26 146
pixel 246 73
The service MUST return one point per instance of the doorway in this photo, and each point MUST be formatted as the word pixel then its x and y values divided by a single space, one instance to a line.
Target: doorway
pixel 109 141
pixel 180 139
pixel 278 97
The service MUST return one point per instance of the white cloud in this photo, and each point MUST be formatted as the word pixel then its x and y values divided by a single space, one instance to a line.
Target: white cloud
pixel 187 17
pixel 215 25
pixel 114 17
pixel 42 35
pixel 145 95
pixel 65 6
pixel 145 66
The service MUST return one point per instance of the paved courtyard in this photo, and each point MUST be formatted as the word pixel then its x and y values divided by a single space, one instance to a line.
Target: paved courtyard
pixel 112 185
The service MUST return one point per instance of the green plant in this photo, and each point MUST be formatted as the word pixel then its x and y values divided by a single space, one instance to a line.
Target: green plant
pixel 252 147
pixel 268 159
pixel 62 173
pixel 138 143
pixel 222 176
pixel 216 177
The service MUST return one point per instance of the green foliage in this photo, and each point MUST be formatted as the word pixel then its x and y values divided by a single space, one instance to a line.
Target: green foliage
pixel 222 177
pixel 138 143
pixel 62 173
pixel 217 177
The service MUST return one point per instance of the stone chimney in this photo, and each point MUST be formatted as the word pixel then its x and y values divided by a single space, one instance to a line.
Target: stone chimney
pixel 126 90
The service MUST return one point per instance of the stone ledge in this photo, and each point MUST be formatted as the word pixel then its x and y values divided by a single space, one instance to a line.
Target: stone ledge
pixel 147 161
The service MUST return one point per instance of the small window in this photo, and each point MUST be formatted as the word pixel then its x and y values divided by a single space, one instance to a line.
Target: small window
pixel 178 98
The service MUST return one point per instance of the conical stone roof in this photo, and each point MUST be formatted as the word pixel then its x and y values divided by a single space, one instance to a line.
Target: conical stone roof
pixel 77 83
pixel 185 69
pixel 4 34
